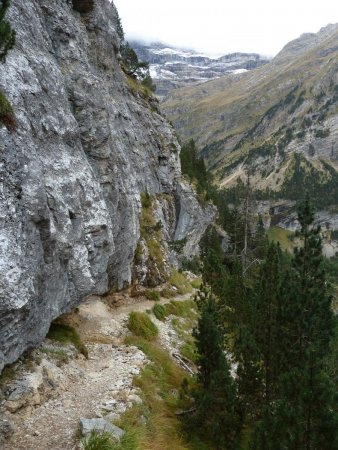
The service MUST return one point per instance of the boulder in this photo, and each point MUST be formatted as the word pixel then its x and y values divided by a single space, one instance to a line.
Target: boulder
pixel 99 425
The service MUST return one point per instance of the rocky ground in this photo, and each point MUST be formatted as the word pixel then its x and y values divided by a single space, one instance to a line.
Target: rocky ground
pixel 47 397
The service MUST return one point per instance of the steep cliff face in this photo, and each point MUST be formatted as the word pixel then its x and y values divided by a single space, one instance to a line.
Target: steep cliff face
pixel 88 143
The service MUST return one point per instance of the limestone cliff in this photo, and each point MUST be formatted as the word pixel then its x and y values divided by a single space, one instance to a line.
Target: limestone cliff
pixel 88 143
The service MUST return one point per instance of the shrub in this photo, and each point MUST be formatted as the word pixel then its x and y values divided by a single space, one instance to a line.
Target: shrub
pixel 7 34
pixel 159 312
pixel 193 264
pixel 178 245
pixel 146 201
pixel 152 295
pixel 141 325
pixel 65 333
pixel 6 113
pixel 196 284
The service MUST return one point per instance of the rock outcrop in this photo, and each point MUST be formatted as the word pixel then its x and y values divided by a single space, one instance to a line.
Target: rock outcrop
pixel 88 143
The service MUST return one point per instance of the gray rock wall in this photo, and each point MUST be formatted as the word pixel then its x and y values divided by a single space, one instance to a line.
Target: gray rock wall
pixel 71 176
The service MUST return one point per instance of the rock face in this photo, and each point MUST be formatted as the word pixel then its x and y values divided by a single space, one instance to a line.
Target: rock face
pixel 172 68
pixel 88 144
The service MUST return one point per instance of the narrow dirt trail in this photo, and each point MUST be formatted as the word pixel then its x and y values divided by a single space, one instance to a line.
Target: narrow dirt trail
pixel 86 388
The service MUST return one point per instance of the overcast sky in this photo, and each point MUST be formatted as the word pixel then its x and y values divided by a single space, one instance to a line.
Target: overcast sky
pixel 222 26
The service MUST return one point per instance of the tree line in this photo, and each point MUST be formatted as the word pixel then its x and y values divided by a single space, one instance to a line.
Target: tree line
pixel 266 337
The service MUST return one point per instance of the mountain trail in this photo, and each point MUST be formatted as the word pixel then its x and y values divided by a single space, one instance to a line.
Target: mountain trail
pixel 100 386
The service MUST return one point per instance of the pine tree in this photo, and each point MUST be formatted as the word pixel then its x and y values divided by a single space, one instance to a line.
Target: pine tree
pixel 7 34
pixel 266 318
pixel 302 416
pixel 131 65
pixel 215 397
pixel 212 255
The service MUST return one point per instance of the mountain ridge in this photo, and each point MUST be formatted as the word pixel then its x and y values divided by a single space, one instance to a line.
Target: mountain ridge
pixel 173 67
pixel 257 121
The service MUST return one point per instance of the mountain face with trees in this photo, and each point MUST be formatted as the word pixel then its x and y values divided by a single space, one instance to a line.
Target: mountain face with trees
pixel 277 123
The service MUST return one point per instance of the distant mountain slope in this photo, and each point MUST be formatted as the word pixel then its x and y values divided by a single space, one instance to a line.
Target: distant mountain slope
pixel 172 68
pixel 278 122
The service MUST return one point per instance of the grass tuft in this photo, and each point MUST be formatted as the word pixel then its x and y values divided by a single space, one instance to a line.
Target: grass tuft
pixel 152 295
pixel 65 334
pixel 159 312
pixel 168 293
pixel 98 441
pixel 141 325
pixel 181 309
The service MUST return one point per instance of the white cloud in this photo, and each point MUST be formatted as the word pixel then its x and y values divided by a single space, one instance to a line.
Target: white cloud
pixel 220 26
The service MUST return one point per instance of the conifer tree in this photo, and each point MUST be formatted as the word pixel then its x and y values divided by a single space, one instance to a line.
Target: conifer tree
pixel 7 34
pixel 214 272
pixel 217 413
pixel 302 416
pixel 266 320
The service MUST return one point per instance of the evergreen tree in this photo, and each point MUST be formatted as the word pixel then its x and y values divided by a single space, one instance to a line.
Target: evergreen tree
pixel 266 318
pixel 131 65
pixel 216 413
pixel 302 416
pixel 7 34
pixel 213 272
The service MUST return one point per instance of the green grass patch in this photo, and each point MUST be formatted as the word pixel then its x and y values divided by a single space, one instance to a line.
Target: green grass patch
pixel 186 308
pixel 168 293
pixel 105 441
pixel 160 384
pixel 98 441
pixel 66 334
pixel 196 284
pixel 282 236
pixel 189 351
pixel 179 280
pixel 183 328
pixel 141 325
pixel 159 312
pixel 152 295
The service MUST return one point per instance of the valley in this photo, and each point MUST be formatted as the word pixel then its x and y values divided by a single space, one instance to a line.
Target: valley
pixel 278 123
pixel 168 281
